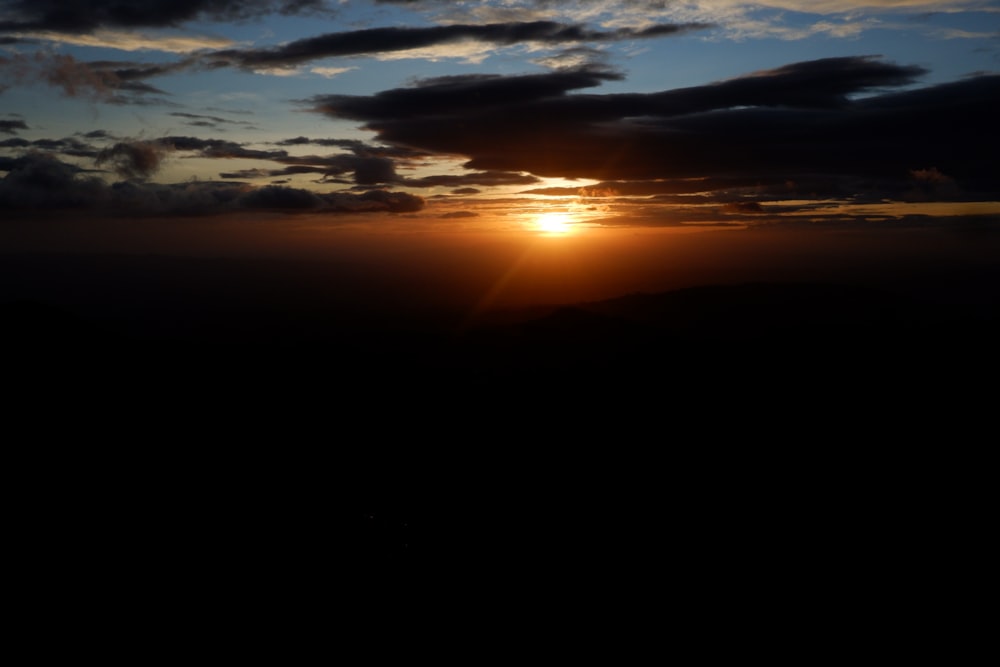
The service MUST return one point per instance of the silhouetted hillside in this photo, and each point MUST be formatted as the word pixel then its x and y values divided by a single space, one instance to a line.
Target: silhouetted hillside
pixel 776 329
pixel 790 424
pixel 243 323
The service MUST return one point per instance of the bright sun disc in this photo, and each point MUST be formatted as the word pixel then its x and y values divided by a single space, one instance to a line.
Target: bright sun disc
pixel 553 223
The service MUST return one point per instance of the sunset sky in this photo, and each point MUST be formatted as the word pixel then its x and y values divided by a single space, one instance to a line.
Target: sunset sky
pixel 394 129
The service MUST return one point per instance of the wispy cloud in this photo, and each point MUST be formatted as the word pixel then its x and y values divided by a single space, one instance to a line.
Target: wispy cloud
pixel 330 72
pixel 734 18
pixel 203 120
pixel 435 40
pixel 132 41
pixel 111 82
pixel 12 126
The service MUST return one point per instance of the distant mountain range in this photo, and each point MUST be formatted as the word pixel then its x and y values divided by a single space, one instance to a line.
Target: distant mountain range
pixel 205 312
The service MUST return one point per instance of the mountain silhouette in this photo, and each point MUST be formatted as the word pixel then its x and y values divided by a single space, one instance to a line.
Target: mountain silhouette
pixel 748 428
pixel 246 322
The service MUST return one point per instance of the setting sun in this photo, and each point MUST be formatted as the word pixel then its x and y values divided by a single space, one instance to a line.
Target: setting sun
pixel 554 223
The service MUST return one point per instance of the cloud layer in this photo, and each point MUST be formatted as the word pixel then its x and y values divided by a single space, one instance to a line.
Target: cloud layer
pixel 39 182
pixel 834 118
pixel 859 128
pixel 384 40
pixel 88 15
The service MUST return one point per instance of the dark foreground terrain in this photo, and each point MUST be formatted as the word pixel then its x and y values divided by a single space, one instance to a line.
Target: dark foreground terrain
pixel 218 421
pixel 273 329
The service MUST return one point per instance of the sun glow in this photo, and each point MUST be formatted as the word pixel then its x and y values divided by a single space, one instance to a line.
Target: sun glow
pixel 554 223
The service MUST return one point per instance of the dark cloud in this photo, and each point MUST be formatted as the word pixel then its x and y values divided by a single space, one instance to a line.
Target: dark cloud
pixel 201 120
pixel 134 160
pixel 375 200
pixel 12 126
pixel 128 71
pixel 369 164
pixel 931 184
pixel 303 141
pixel 138 88
pixel 275 197
pixel 475 178
pixel 216 148
pixel 40 182
pixel 66 146
pixel 122 82
pixel 743 207
pixel 62 71
pixel 78 16
pixel 399 38
pixel 247 174
pixel 140 159
pixel 279 197
pixel 367 170
pixel 820 84
pixel 373 169
pixel 817 84
pixel 833 118
pixel 452 97
pixel 101 81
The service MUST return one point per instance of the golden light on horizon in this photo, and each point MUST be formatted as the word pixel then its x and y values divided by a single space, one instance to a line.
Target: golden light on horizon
pixel 554 222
